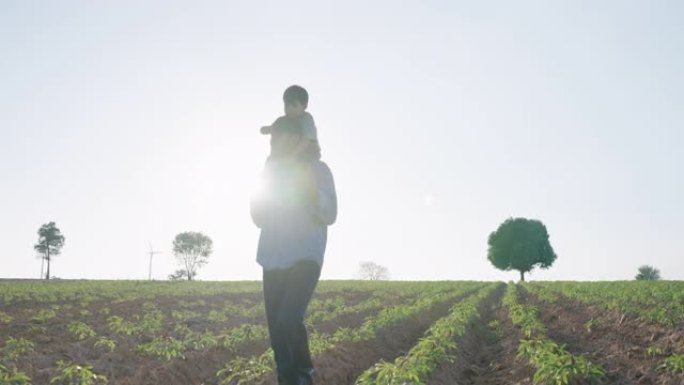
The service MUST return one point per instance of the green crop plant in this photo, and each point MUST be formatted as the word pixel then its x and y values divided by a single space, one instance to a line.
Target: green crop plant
pixel 593 324
pixel 430 351
pixel 184 315
pixel 162 347
pixel 152 322
pixel 37 329
pixel 231 339
pixel 74 374
pixel 13 377
pixel 108 343
pixel 673 363
pixel 654 351
pixel 44 315
pixel 554 364
pixel 246 370
pixel 121 326
pixel 104 311
pixel 81 331
pixel 16 347
pixel 5 318
pixel 200 341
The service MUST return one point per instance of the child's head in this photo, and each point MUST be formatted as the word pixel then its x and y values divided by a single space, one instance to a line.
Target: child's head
pixel 296 100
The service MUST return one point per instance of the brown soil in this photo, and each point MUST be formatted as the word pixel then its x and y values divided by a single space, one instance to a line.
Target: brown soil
pixel 618 343
pixel 124 366
pixel 486 354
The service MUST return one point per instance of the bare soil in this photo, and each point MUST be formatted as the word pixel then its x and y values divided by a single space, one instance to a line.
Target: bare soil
pixel 618 342
pixel 124 366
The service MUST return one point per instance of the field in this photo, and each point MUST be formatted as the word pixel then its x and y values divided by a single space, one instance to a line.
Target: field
pixel 361 332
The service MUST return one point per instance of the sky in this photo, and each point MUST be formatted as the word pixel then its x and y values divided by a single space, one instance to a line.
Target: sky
pixel 129 122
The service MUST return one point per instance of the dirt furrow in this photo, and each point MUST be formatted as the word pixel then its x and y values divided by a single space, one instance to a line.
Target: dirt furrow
pixel 620 349
pixel 486 353
pixel 345 363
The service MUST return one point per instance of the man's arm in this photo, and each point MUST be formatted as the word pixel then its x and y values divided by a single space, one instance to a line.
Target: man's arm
pixel 261 203
pixel 325 209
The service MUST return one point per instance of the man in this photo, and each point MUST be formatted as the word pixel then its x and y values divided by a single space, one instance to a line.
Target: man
pixel 293 209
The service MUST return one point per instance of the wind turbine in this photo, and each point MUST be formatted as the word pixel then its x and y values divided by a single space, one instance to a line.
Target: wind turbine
pixel 151 252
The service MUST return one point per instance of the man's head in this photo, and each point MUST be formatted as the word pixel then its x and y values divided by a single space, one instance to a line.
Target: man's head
pixel 296 99
pixel 286 136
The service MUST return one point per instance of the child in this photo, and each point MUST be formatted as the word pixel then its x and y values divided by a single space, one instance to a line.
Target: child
pixel 296 99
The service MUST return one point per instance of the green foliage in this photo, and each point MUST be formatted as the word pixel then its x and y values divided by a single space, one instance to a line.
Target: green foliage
pixel 242 334
pixel 555 365
pixel 246 370
pixel 593 324
pixel 73 374
pixel 647 273
pixel 14 348
pixel 5 318
pixel 43 315
pixel 162 347
pixel 654 351
pixel 109 343
pixel 80 330
pixel 520 244
pixel 673 363
pixel 436 347
pixel 121 326
pixel 50 243
pixel 13 377
pixel 192 249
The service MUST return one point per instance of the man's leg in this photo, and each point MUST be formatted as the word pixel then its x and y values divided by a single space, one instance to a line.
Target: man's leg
pixel 274 283
pixel 301 282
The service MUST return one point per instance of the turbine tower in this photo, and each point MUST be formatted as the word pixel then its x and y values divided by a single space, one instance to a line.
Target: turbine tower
pixel 151 252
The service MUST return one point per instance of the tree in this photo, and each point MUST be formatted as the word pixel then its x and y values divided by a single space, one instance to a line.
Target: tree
pixel 178 275
pixel 192 249
pixel 520 244
pixel 648 273
pixel 373 271
pixel 50 242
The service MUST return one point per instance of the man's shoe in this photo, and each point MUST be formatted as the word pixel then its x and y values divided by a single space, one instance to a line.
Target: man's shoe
pixel 305 376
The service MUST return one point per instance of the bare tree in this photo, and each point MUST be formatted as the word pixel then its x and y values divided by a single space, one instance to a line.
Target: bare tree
pixel 192 249
pixel 373 271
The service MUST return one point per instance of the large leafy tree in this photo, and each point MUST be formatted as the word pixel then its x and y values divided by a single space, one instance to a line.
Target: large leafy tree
pixel 520 244
pixel 50 242
pixel 192 250
pixel 648 273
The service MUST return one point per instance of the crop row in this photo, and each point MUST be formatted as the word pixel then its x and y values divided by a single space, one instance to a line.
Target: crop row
pixel 435 348
pixel 660 302
pixel 553 362
pixel 637 298
pixel 244 370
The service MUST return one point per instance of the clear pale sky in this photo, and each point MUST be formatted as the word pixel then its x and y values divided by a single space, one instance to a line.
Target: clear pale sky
pixel 127 122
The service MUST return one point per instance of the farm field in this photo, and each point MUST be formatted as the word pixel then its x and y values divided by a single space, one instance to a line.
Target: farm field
pixel 361 332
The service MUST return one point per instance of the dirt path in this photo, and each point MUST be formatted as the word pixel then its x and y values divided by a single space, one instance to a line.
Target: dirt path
pixel 486 353
pixel 620 348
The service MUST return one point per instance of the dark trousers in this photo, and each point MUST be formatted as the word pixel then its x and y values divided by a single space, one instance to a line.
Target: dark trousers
pixel 287 293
